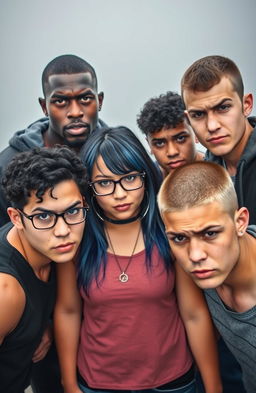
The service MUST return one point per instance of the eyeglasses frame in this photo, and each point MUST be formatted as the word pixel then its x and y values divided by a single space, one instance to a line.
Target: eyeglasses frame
pixel 57 215
pixel 141 174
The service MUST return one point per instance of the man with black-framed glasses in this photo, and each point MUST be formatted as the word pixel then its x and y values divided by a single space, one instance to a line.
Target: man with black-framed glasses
pixel 46 189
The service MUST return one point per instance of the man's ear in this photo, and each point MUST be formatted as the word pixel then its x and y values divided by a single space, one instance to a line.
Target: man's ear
pixel 241 220
pixel 100 98
pixel 42 103
pixel 15 217
pixel 247 104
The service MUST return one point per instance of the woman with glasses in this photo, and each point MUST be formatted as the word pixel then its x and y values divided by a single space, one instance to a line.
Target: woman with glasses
pixel 132 337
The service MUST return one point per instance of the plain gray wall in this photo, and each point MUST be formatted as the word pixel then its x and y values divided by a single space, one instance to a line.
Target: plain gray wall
pixel 139 48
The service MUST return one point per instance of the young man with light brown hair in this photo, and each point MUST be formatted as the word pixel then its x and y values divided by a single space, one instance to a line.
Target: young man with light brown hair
pixel 208 238
pixel 217 109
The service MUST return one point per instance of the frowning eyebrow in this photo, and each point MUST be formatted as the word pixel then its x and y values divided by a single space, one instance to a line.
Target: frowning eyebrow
pixel 67 97
pixel 223 101
pixel 201 232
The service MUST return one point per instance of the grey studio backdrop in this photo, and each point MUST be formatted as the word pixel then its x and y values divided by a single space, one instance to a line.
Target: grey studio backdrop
pixel 139 48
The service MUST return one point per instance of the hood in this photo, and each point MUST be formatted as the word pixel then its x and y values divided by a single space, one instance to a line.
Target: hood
pixel 250 148
pixel 30 137
pixel 251 229
pixel 101 124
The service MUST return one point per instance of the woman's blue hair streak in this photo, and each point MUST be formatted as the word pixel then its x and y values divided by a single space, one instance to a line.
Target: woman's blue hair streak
pixel 122 152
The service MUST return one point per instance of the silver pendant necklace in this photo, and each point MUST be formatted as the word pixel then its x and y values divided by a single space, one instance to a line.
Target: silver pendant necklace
pixel 123 276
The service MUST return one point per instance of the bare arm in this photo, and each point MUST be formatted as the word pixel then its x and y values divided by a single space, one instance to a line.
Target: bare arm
pixel 67 321
pixel 200 330
pixel 12 304
pixel 44 345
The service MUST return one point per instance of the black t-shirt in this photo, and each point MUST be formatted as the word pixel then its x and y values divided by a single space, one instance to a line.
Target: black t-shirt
pixel 19 346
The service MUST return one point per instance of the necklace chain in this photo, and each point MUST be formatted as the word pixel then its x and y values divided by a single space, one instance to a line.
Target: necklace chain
pixel 123 276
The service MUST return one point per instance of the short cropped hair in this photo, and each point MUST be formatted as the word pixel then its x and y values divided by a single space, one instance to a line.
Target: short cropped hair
pixel 207 72
pixel 40 170
pixel 67 64
pixel 197 184
pixel 165 111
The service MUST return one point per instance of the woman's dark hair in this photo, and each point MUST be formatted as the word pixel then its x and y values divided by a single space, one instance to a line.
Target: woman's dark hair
pixel 122 152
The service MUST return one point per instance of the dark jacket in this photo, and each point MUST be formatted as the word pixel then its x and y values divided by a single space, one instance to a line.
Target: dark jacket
pixel 21 141
pixel 245 179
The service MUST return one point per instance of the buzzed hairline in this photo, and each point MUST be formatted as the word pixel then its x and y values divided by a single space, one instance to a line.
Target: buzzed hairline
pixel 196 184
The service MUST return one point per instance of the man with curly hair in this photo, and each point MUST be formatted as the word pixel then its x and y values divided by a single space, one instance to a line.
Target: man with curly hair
pixel 170 137
pixel 46 188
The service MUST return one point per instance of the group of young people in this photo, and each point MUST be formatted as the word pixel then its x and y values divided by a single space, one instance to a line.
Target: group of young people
pixel 129 313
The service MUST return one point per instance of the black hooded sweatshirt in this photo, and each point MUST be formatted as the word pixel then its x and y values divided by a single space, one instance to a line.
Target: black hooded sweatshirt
pixel 245 179
pixel 21 141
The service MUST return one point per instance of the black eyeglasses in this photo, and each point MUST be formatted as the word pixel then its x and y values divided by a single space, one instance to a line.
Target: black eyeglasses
pixel 48 219
pixel 128 183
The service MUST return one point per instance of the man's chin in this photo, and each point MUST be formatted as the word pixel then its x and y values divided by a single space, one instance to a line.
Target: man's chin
pixel 75 143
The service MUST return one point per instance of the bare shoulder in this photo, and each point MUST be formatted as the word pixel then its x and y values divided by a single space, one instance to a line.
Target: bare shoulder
pixel 12 303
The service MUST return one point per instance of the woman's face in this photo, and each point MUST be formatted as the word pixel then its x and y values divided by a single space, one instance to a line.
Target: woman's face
pixel 120 204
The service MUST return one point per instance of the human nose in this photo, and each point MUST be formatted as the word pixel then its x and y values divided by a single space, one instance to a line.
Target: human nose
pixel 61 228
pixel 119 191
pixel 74 110
pixel 172 149
pixel 196 252
pixel 212 122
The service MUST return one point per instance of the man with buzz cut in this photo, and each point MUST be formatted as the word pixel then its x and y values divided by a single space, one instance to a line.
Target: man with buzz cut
pixel 208 238
pixel 170 137
pixel 217 109
pixel 71 104
pixel 46 189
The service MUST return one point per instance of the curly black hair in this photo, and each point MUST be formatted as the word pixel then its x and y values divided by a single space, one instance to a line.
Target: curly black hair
pixel 41 169
pixel 165 111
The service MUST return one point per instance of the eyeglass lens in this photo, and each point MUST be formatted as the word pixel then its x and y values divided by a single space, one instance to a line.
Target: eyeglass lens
pixel 48 219
pixel 128 183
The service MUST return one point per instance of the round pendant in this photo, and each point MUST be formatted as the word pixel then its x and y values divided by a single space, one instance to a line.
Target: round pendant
pixel 123 277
